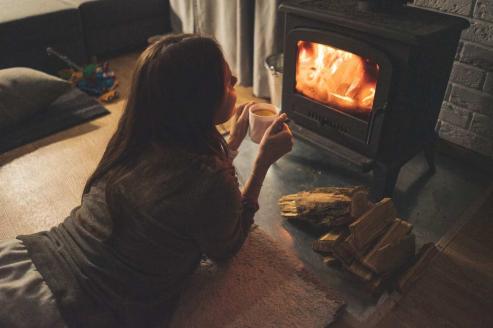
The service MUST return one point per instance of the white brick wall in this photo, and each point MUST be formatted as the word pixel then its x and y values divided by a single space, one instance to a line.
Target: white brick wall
pixel 467 112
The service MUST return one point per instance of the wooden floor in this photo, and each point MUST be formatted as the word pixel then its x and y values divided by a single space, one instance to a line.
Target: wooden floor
pixel 456 289
pixel 41 182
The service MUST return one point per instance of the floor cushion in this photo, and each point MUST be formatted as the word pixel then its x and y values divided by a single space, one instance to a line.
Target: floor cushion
pixel 24 92
pixel 71 108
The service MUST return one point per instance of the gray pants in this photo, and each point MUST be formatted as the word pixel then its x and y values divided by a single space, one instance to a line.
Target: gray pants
pixel 25 299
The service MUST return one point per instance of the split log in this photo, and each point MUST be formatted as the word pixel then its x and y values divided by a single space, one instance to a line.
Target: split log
pixel 376 285
pixel 326 243
pixel 372 224
pixel 344 252
pixel 359 203
pixel 348 191
pixel 379 259
pixel 360 271
pixel 322 207
pixel 331 261
pixel 393 256
pixel 342 221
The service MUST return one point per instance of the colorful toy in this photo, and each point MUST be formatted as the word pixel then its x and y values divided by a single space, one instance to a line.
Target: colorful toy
pixel 94 79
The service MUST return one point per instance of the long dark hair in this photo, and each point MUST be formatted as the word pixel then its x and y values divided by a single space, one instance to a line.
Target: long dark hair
pixel 177 87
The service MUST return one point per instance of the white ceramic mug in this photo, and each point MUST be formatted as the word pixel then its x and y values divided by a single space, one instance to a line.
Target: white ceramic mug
pixel 259 122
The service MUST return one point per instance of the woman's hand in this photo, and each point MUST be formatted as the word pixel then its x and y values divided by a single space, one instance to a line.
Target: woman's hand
pixel 239 128
pixel 276 142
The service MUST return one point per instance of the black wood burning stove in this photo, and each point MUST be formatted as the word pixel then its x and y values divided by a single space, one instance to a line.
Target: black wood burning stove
pixel 367 86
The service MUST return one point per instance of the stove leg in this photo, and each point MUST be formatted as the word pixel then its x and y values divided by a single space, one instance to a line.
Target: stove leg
pixel 384 180
pixel 429 151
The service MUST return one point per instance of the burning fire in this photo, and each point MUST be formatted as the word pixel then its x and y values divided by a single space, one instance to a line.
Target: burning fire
pixel 336 77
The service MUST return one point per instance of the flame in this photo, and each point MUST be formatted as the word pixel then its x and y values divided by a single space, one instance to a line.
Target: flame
pixel 336 77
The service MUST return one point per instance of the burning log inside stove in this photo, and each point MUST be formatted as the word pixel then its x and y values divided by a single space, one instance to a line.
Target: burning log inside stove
pixel 336 77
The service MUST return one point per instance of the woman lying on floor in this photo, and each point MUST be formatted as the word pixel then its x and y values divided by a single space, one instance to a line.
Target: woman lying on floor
pixel 164 193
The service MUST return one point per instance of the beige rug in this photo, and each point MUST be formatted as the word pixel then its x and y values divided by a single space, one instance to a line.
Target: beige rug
pixel 261 286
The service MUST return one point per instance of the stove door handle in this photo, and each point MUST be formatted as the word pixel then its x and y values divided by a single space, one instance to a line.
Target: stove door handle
pixel 383 109
pixel 377 111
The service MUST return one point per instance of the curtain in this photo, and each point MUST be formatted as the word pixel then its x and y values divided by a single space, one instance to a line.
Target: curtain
pixel 248 31
pixel 268 40
pixel 181 16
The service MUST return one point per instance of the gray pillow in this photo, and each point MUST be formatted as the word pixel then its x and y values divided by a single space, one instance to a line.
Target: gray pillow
pixel 25 91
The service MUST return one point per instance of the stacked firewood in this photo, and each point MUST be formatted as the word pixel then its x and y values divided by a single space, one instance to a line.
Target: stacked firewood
pixel 366 239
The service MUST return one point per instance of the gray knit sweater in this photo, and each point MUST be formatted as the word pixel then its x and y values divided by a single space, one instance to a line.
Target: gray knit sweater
pixel 127 269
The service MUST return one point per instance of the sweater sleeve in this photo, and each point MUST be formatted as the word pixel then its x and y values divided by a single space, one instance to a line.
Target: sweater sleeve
pixel 225 217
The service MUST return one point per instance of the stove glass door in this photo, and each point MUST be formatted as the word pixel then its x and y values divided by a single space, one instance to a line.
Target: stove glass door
pixel 337 78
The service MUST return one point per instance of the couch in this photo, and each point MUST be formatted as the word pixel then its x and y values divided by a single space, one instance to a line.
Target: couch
pixel 79 29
